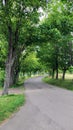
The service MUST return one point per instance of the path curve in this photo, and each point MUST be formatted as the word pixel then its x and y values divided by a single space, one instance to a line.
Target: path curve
pixel 46 108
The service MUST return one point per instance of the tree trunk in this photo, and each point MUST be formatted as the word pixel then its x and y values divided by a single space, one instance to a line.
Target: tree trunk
pixel 57 73
pixel 9 64
pixel 12 77
pixel 7 78
pixel 16 73
pixel 12 59
pixel 64 71
pixel 56 66
pixel 7 75
pixel 53 72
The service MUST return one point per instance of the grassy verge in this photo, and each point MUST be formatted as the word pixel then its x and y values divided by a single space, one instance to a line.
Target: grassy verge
pixel 67 83
pixel 10 104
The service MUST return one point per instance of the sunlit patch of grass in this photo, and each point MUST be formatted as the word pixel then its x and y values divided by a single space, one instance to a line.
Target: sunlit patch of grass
pixel 9 104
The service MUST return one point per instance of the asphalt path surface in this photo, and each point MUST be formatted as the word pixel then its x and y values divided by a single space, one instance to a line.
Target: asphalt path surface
pixel 46 108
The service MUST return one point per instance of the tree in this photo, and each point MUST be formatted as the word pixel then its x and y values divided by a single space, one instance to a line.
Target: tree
pixel 30 64
pixel 17 17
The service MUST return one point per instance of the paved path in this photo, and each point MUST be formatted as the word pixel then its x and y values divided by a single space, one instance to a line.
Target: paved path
pixel 46 108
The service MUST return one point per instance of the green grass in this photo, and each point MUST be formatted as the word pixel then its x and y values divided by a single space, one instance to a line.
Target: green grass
pixel 67 83
pixel 10 104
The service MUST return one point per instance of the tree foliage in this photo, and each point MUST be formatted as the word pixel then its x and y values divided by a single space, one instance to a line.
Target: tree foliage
pixel 30 63
pixel 57 29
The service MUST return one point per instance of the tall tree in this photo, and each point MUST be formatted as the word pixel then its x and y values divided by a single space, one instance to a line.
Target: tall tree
pixel 16 17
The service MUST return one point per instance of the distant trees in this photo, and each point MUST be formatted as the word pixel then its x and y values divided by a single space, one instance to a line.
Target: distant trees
pixel 57 30
pixel 30 64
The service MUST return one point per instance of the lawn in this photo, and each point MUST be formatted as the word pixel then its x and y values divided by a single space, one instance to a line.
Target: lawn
pixel 10 104
pixel 67 83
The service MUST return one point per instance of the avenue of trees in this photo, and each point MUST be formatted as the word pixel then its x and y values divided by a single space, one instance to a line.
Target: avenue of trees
pixel 35 36
pixel 57 30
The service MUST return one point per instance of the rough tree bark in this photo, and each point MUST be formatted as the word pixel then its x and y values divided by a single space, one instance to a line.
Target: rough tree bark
pixel 57 73
pixel 9 63
pixel 64 71
pixel 15 71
